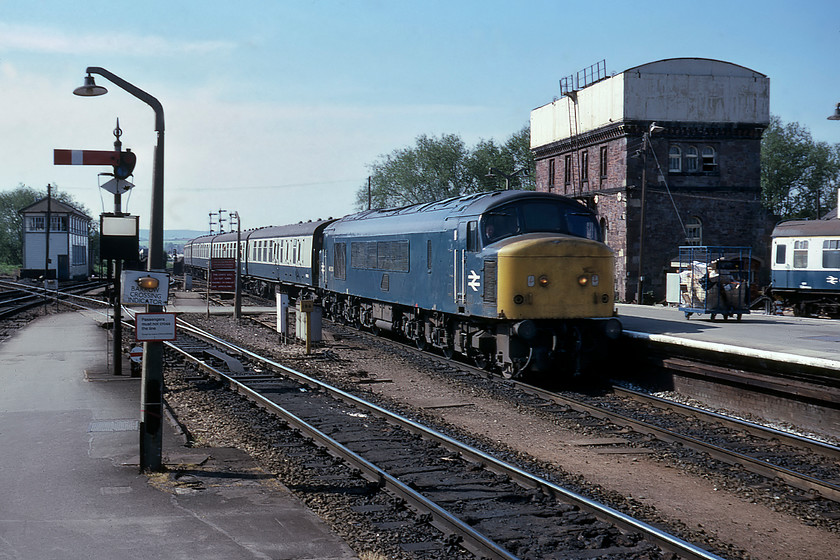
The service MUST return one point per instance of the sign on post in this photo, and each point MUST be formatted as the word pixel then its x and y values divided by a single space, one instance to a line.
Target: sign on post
pixel 147 288
pixel 222 274
pixel 154 327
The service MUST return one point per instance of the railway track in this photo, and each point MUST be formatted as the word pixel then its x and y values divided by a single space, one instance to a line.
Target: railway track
pixel 494 509
pixel 807 465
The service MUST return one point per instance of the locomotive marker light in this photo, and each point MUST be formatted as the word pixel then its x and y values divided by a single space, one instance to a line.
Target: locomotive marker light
pixel 151 406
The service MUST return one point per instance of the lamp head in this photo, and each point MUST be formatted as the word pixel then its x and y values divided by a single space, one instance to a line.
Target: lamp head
pixel 836 115
pixel 90 89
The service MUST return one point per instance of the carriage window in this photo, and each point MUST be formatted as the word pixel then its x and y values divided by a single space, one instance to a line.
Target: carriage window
pixel 831 253
pixel 781 253
pixel 800 254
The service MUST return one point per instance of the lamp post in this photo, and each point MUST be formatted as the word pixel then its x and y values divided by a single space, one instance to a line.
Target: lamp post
pixel 151 405
pixel 493 171
pixel 654 128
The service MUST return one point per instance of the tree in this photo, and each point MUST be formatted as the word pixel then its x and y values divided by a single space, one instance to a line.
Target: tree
pixel 439 168
pixel 799 177
pixel 11 224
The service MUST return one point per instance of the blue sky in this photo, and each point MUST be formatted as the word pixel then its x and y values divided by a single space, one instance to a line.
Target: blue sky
pixel 275 108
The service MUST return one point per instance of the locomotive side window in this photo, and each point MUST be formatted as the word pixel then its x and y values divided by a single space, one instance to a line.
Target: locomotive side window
pixel 472 237
pixel 781 253
pixel 831 253
pixel 800 254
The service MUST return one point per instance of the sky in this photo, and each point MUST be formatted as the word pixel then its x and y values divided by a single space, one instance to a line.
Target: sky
pixel 276 109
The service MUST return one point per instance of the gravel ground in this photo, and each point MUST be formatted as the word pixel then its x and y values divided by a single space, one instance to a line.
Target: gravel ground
pixel 734 519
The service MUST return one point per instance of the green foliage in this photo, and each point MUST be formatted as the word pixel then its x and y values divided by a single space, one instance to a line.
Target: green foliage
pixel 11 223
pixel 799 177
pixel 439 168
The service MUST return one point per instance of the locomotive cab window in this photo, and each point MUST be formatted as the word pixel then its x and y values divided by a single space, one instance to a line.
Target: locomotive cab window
pixel 538 217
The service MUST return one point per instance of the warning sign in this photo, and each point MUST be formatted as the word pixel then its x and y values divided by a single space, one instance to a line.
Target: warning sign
pixel 151 327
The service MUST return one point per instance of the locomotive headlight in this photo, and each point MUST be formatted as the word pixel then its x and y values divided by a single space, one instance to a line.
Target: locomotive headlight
pixel 583 280
pixel 543 280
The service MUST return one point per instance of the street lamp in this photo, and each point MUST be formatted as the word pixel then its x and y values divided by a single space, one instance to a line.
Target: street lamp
pixel 493 171
pixel 151 406
pixel 836 115
pixel 653 129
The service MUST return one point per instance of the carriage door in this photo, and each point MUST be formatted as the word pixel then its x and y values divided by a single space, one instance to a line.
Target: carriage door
pixel 468 280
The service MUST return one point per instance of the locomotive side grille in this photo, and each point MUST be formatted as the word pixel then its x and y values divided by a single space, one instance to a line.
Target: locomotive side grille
pixel 340 265
pixel 379 255
pixel 489 281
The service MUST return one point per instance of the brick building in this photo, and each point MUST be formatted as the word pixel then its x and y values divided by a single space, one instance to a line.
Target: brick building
pixel 700 160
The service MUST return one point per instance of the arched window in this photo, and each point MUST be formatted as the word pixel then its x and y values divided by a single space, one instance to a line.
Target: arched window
pixel 675 160
pixel 709 159
pixel 694 231
pixel 691 157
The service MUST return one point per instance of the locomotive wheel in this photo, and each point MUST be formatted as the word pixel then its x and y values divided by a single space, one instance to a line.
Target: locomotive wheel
pixel 481 361
pixel 420 342
pixel 448 352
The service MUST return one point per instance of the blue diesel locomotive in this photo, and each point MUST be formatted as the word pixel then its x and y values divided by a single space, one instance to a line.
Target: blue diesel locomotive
pixel 806 266
pixel 516 280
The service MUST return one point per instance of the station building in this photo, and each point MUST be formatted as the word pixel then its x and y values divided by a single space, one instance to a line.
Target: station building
pixel 690 130
pixel 69 242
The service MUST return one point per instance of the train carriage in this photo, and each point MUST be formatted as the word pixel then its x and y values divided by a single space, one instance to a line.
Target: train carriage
pixel 519 281
pixel 806 266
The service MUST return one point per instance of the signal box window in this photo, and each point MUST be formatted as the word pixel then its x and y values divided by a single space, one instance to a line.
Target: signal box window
pixel 800 254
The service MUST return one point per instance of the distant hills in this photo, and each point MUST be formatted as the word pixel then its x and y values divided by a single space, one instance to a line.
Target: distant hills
pixel 174 234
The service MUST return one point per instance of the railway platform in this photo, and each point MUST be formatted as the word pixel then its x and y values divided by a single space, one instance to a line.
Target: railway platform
pixel 792 340
pixel 70 477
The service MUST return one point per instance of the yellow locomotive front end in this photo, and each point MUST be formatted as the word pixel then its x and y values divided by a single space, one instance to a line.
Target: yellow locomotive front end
pixel 555 277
